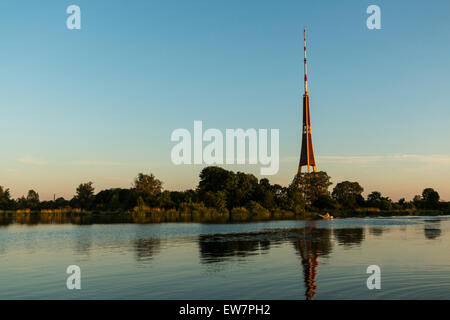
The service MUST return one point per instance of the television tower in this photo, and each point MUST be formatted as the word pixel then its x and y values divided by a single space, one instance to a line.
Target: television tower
pixel 307 151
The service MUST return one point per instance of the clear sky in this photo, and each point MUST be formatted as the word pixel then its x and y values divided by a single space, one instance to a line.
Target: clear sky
pixel 100 103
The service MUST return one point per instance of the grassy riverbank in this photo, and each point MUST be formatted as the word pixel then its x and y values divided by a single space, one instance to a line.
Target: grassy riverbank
pixel 195 214
pixel 221 196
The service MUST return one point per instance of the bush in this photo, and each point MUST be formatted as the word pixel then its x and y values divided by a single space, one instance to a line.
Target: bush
pixel 257 211
pixel 240 214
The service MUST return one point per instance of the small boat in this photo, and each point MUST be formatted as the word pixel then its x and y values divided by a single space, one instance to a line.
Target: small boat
pixel 326 216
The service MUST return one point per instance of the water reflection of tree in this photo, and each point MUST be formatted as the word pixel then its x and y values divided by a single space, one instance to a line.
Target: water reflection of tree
pixel 218 248
pixel 83 241
pixel 146 249
pixel 5 220
pixel 432 229
pixel 376 231
pixel 311 243
pixel 349 237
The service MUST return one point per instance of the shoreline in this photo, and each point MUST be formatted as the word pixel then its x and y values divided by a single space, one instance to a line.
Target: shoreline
pixel 172 216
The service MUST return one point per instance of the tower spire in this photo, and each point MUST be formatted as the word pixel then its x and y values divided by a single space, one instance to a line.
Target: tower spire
pixel 306 78
pixel 307 152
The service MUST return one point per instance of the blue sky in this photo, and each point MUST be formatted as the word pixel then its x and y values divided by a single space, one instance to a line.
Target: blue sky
pixel 100 103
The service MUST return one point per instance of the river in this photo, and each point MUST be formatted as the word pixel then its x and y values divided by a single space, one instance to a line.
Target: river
pixel 261 260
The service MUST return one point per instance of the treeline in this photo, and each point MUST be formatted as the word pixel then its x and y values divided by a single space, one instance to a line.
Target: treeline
pixel 234 193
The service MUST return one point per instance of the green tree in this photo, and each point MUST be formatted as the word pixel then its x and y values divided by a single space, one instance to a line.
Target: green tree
pixel 376 200
pixel 115 202
pixel 347 193
pixel 417 200
pixel 61 203
pixel 295 200
pixel 147 185
pixel 244 190
pixel 164 200
pixel 5 198
pixel 239 188
pixel 140 203
pixel 265 194
pixel 216 200
pixel 32 200
pixel 22 203
pixel 385 204
pixel 85 195
pixel 114 199
pixel 403 204
pixel 216 179
pixel 374 196
pixel 430 198
pixel 325 202
pixel 312 185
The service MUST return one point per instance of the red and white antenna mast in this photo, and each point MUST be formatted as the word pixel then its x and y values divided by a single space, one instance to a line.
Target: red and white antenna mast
pixel 306 78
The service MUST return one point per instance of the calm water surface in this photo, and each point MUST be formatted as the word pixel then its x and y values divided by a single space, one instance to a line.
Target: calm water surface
pixel 267 260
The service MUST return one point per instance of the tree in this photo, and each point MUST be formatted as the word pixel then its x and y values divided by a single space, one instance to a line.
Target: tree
pixel 244 190
pixel 430 198
pixel 376 200
pixel 347 193
pixel 216 179
pixel 187 196
pixel 32 200
pixel 325 202
pixel 239 188
pixel 268 199
pixel 216 200
pixel 61 203
pixel 312 185
pixel 385 204
pixel 290 199
pixel 140 203
pixel 264 194
pixel 164 200
pixel 295 200
pixel 85 195
pixel 147 185
pixel 114 199
pixel 5 201
pixel 417 200
pixel 115 202
pixel 374 196
pixel 22 203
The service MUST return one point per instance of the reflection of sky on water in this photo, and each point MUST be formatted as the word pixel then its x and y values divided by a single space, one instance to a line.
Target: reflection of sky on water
pixel 267 260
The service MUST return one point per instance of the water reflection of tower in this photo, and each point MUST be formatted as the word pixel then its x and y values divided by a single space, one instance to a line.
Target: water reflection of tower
pixel 310 262
pixel 312 243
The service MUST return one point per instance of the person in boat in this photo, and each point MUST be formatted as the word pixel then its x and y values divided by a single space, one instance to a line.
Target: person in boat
pixel 327 216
